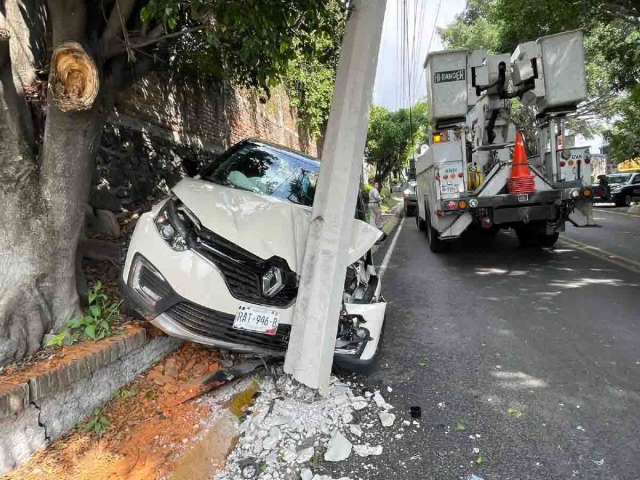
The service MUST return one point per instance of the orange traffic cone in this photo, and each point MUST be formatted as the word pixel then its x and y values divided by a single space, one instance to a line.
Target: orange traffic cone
pixel 521 180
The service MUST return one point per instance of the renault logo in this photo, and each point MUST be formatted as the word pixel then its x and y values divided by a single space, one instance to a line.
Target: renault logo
pixel 272 282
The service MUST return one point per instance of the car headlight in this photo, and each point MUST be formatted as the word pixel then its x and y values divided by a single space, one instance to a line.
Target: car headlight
pixel 407 192
pixel 173 225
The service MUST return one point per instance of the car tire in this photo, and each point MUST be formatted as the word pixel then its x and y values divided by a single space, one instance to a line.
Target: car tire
pixel 435 244
pixel 619 201
pixel 627 200
pixel 421 224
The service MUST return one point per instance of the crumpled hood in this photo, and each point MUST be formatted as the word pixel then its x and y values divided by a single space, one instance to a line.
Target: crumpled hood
pixel 266 226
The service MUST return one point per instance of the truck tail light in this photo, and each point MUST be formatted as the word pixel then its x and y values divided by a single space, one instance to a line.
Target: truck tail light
pixel 437 177
pixel 563 163
pixel 460 175
pixel 462 204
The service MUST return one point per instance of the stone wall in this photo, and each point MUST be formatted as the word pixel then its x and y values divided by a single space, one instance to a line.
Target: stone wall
pixel 163 129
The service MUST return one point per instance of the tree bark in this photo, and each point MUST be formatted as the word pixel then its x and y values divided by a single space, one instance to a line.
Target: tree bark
pixel 43 200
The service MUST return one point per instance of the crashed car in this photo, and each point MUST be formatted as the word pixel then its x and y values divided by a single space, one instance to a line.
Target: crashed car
pixel 219 261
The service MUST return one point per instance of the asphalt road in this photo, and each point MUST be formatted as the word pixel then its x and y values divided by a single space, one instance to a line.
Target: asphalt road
pixel 618 233
pixel 530 356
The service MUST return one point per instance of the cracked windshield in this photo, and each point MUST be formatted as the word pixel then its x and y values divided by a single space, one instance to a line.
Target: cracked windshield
pixel 319 240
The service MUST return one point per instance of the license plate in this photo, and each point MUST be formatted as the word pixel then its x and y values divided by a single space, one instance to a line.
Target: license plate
pixel 257 319
pixel 447 189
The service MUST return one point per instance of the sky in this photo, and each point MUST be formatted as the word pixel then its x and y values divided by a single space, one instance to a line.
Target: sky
pixel 421 16
pixel 387 90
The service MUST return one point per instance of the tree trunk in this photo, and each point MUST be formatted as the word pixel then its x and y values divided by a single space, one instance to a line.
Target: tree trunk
pixel 43 196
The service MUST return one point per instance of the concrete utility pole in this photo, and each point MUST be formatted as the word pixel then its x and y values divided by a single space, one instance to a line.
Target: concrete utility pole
pixel 313 335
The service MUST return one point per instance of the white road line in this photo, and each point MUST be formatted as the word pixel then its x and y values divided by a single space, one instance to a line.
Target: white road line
pixel 387 257
pixel 617 213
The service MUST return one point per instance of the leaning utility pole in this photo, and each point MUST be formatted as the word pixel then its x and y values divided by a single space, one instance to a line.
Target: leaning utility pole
pixel 315 325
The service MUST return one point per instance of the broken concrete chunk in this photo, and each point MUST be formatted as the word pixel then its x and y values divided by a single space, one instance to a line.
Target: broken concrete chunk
pixel 367 450
pixel 347 417
pixel 380 401
pixel 305 455
pixel 355 430
pixel 306 474
pixel 387 419
pixel 339 448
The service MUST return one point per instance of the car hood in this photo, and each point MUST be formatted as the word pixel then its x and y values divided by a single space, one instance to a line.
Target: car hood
pixel 266 226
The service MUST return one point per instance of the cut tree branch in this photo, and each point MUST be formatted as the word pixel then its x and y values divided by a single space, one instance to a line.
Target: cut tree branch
pixel 117 26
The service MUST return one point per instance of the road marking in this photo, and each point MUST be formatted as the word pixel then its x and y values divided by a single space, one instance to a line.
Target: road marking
pixel 387 257
pixel 617 213
pixel 623 262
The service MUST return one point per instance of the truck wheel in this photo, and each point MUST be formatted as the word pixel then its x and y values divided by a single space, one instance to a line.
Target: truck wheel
pixel 435 244
pixel 549 240
pixel 422 226
pixel 627 200
pixel 527 236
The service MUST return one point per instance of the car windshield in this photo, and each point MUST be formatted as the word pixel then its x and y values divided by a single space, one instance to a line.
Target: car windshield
pixel 268 171
pixel 613 179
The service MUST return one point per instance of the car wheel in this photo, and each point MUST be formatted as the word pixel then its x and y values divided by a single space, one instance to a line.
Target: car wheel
pixel 619 201
pixel 627 200
pixel 422 226
pixel 435 244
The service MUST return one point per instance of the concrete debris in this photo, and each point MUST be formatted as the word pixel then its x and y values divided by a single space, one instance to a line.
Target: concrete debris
pixel 389 389
pixel 290 428
pixel 474 477
pixel 387 419
pixel 305 455
pixel 367 450
pixel 339 448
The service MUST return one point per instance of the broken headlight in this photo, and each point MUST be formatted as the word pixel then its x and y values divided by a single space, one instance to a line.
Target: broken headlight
pixel 175 225
pixel 352 337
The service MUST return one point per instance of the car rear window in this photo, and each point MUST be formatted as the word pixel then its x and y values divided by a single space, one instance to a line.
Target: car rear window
pixel 267 171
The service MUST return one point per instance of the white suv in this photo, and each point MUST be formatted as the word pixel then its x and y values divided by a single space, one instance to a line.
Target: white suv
pixel 218 262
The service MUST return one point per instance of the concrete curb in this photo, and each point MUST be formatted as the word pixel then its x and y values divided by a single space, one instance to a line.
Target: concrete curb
pixel 36 412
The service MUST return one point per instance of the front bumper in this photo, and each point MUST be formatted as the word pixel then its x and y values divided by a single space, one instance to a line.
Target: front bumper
pixel 193 302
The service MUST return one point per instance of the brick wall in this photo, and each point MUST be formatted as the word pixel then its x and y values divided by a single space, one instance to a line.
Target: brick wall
pixel 215 113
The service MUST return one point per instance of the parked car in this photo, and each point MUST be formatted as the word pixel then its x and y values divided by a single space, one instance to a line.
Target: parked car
pixel 410 198
pixel 218 262
pixel 624 188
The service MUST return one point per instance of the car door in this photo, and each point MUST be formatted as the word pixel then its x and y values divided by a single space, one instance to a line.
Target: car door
pixel 635 182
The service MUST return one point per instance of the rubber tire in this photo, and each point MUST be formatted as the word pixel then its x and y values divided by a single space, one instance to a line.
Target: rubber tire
pixel 527 237
pixel 627 200
pixel 421 224
pixel 619 202
pixel 435 244
pixel 549 240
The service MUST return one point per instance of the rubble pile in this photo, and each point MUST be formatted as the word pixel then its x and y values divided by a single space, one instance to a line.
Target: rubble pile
pixel 291 431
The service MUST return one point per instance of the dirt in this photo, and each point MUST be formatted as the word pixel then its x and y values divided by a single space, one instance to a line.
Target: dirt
pixel 154 422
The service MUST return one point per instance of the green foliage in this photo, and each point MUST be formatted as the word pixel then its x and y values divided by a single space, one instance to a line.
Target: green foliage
pixel 260 44
pixel 96 325
pixel 393 137
pixel 97 424
pixel 57 340
pixel 624 135
pixel 476 28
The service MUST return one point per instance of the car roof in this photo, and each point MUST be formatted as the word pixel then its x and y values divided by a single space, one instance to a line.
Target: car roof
pixel 285 150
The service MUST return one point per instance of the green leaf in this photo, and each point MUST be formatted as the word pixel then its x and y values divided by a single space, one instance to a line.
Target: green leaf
pixel 95 311
pixel 172 23
pixel 97 411
pixel 97 286
pixel 283 47
pixel 74 323
pixel 423 363
pixel 514 412
pixel 92 298
pixel 145 14
pixel 460 427
pixel 479 461
pixel 90 331
pixel 105 422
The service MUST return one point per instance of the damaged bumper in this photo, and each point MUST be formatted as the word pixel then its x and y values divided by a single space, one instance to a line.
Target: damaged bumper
pixel 188 296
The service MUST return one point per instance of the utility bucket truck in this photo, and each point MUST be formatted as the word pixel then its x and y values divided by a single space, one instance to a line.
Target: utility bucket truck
pixel 475 172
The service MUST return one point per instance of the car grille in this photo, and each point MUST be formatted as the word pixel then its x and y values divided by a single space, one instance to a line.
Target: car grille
pixel 219 326
pixel 243 270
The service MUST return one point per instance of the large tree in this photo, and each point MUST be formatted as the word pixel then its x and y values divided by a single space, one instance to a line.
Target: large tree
pixel 61 64
pixel 393 136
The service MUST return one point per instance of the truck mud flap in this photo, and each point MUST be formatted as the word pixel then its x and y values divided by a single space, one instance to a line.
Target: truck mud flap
pixel 457 227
